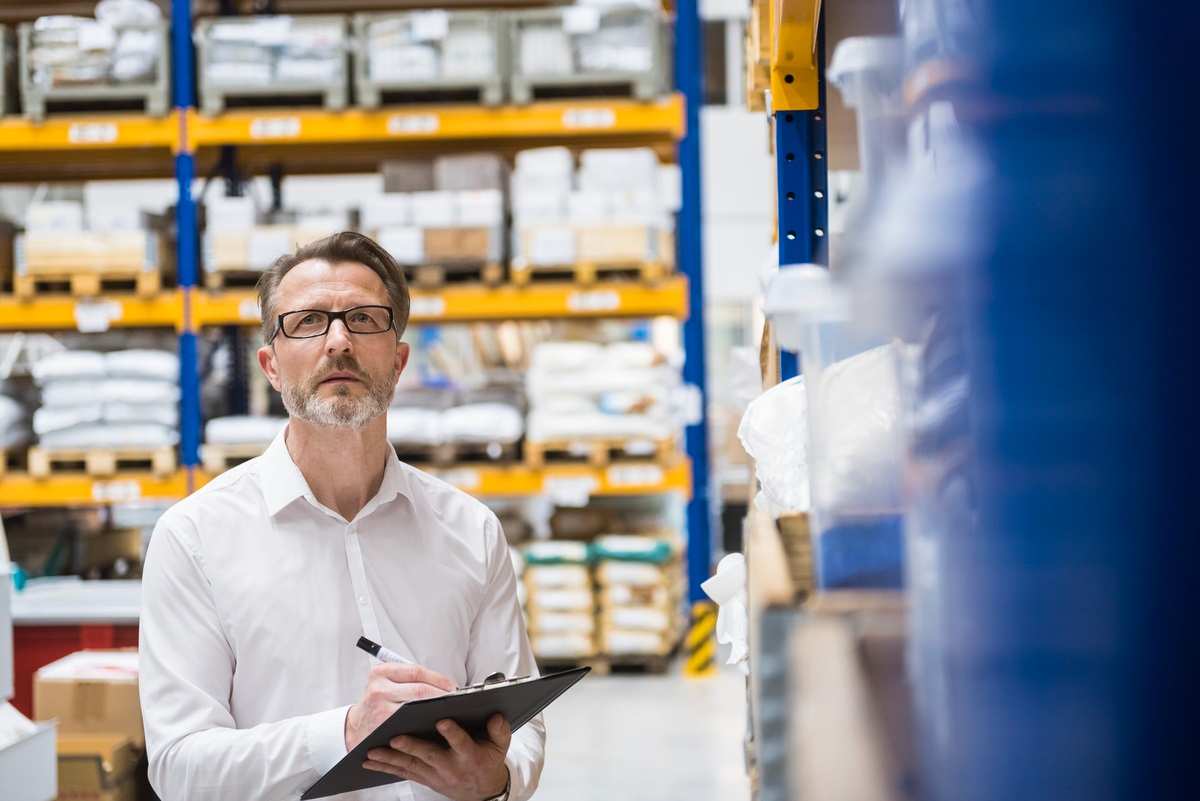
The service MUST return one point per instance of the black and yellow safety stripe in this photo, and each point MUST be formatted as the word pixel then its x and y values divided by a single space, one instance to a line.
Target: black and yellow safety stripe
pixel 701 641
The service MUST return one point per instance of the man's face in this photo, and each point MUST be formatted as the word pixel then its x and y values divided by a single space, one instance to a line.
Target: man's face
pixel 340 379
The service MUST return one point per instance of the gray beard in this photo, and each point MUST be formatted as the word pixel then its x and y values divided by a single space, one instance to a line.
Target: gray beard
pixel 342 409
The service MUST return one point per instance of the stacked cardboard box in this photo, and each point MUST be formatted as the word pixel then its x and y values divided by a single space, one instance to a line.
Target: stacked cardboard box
pixel 93 696
pixel 447 212
pixel 616 209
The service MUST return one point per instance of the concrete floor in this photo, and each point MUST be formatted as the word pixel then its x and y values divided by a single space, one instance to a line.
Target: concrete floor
pixel 632 737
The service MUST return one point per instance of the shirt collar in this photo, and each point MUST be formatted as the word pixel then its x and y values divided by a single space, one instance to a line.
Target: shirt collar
pixel 282 482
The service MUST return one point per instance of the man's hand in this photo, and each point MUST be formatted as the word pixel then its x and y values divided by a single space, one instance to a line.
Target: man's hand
pixel 466 771
pixel 390 685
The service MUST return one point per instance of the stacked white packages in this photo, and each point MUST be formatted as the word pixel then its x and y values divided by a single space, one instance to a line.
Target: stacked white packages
pixel 14 423
pixel 617 207
pixel 560 600
pixel 119 46
pixel 582 390
pixel 253 52
pixel 588 39
pixel 429 46
pixel 432 424
pixel 107 400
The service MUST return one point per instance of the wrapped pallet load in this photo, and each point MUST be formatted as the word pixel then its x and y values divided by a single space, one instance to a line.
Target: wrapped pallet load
pixel 106 406
pixel 639 586
pixel 560 602
pixel 588 399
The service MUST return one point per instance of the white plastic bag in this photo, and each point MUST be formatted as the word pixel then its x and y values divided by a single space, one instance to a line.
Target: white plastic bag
pixel 774 431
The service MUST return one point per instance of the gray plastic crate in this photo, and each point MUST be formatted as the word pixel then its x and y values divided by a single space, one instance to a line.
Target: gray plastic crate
pixel 577 35
pixel 153 94
pixel 369 89
pixel 214 94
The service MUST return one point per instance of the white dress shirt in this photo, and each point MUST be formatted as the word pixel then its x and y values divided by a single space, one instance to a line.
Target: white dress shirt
pixel 254 596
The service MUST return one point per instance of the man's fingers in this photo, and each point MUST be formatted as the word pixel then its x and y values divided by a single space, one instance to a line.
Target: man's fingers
pixel 399 693
pixel 412 674
pixel 457 738
pixel 499 732
pixel 405 766
pixel 432 755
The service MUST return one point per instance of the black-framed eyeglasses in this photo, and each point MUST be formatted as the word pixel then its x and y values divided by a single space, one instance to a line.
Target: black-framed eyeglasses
pixel 309 323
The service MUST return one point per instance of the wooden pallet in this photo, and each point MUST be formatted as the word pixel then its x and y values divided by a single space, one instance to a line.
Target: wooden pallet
pixel 12 460
pixel 218 457
pixel 589 272
pixel 144 283
pixel 231 279
pixel 451 454
pixel 45 462
pixel 604 664
pixel 598 452
pixel 433 276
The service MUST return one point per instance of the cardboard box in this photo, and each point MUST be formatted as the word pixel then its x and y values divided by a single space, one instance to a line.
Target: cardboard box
pixel 462 245
pixel 405 175
pixel 49 252
pixel 405 243
pixel 91 692
pixel 434 209
pixel 478 208
pixel 383 211
pixel 97 767
pixel 618 243
pixel 470 171
pixel 548 245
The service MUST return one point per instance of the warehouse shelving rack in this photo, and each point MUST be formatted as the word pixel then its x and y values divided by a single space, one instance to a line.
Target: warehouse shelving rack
pixel 130 145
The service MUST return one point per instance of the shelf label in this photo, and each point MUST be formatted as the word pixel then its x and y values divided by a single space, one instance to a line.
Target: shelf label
pixel 635 475
pixel 589 118
pixel 569 491
pixel 275 128
pixel 116 491
pixel 92 133
pixel 408 124
pixel 464 478
pixel 248 310
pixel 427 306
pixel 94 316
pixel 594 301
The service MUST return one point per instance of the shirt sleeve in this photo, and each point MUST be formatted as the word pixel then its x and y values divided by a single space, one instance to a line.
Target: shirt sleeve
pixel 499 642
pixel 186 666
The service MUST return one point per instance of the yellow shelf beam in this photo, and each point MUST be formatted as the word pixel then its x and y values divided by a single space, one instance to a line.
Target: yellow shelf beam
pixel 20 489
pixel 106 311
pixel 90 132
pixel 558 119
pixel 794 79
pixel 622 478
pixel 473 303
pixel 630 478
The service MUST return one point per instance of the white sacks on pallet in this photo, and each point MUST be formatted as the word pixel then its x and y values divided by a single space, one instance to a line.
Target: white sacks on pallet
pixel 120 399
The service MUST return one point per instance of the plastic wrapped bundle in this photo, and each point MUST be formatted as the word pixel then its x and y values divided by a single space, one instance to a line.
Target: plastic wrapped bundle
pixel 483 423
pixel 243 430
pixel 120 46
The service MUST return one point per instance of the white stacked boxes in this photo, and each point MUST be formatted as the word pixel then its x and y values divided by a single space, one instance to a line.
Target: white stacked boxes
pixel 560 600
pixel 458 222
pixel 272 56
pixel 616 210
pixel 429 51
pixel 588 45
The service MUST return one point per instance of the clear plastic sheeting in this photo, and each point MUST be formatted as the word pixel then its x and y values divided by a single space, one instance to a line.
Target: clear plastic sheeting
pixel 120 46
pixel 774 432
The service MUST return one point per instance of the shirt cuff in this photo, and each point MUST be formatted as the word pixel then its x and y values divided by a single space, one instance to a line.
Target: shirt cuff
pixel 327 739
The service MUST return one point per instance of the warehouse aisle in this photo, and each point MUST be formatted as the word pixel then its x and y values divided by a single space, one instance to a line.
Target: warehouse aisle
pixel 647 738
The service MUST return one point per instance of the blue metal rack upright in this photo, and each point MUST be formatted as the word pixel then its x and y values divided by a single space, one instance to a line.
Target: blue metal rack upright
pixel 689 79
pixel 188 248
pixel 802 192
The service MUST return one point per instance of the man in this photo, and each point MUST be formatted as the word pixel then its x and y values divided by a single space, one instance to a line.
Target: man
pixel 258 585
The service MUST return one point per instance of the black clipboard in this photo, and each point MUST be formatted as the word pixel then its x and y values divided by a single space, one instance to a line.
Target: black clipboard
pixel 519 700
